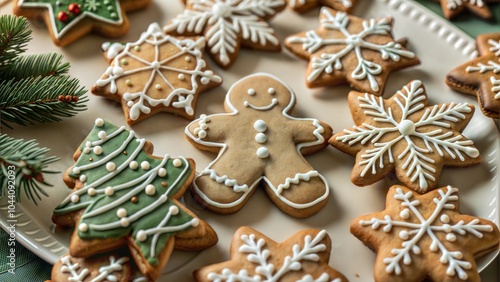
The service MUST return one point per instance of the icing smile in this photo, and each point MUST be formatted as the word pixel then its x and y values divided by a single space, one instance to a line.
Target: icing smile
pixel 274 102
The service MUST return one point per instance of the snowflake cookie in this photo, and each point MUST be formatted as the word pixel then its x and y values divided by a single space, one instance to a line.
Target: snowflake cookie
pixel 157 73
pixel 481 76
pixel 404 134
pixel 350 50
pixel 68 20
pixel 260 143
pixel 229 24
pixel 302 6
pixel 452 8
pixel 254 257
pixel 124 196
pixel 424 236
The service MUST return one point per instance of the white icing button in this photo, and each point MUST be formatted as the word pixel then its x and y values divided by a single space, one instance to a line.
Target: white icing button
pixel 404 214
pixel 260 138
pixel 451 237
pixel 173 210
pixel 102 135
pixel 76 170
pixel 75 198
pixel 406 127
pixel 150 190
pixel 180 76
pixel 83 227
pixel 121 212
pixel 271 91
pixel 155 64
pixel 141 235
pixel 124 222
pixel 158 86
pixel 404 235
pixel 145 165
pixel 177 162
pixel 251 92
pixel 110 166
pixel 204 80
pixel 445 218
pixel 162 172
pixel 133 165
pixel 128 82
pixel 87 150
pixel 137 48
pixel 91 192
pixel 202 134
pixel 88 144
pixel 130 104
pixel 83 178
pixel 260 125
pixel 187 59
pixel 97 150
pixel 99 122
pixel 195 222
pixel 109 191
pixel 262 152
pixel 204 126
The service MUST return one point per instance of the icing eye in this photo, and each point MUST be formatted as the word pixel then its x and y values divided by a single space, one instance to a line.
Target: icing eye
pixel 251 92
pixel 271 91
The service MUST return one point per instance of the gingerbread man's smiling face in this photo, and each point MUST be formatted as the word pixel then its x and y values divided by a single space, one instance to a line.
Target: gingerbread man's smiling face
pixel 259 93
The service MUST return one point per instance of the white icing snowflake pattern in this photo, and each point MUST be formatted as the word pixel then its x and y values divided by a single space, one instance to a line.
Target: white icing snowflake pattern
pixel 267 271
pixel 418 165
pixel 490 66
pixel 224 20
pixel 437 222
pixel 365 69
pixel 105 272
pixel 187 48
pixel 453 4
pixel 92 5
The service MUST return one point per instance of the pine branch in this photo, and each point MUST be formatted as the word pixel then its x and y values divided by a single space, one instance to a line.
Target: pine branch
pixel 36 65
pixel 14 36
pixel 23 162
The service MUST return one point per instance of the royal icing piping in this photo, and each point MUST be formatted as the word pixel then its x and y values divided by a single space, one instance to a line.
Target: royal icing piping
pixel 438 221
pixel 296 3
pixel 78 274
pixel 365 69
pixel 258 126
pixel 224 20
pixel 107 197
pixel 490 66
pixel 110 13
pixel 454 4
pixel 418 165
pixel 265 270
pixel 140 102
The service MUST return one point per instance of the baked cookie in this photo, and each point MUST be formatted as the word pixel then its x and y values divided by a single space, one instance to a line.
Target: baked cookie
pixel 255 257
pixel 259 142
pixel 452 8
pixel 156 73
pixel 124 196
pixel 424 236
pixel 404 134
pixel 68 20
pixel 351 50
pixel 481 76
pixel 302 6
pixel 228 25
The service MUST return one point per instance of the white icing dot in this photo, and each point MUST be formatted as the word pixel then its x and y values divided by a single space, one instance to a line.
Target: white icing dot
pixel 202 134
pixel 195 222
pixel 204 126
pixel 76 170
pixel 137 48
pixel 121 212
pixel 83 178
pixel 145 165
pixel 173 210
pixel 87 150
pixel 162 172
pixel 451 237
pixel 124 222
pixel 262 152
pixel 133 165
pixel 260 125
pixel 406 127
pixel 158 86
pixel 150 190
pixel 251 92
pixel 91 192
pixel 446 228
pixel 445 218
pixel 404 234
pixel 88 144
pixel 271 91
pixel 204 80
pixel 181 76
pixel 130 104
pixel 83 227
pixel 177 162
pixel 102 135
pixel 97 150
pixel 99 122
pixel 141 235
pixel 110 166
pixel 109 191
pixel 75 198
pixel 128 82
pixel 187 59
pixel 405 214
pixel 260 138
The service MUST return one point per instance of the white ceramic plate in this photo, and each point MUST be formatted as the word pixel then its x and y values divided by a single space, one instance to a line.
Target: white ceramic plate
pixel 440 47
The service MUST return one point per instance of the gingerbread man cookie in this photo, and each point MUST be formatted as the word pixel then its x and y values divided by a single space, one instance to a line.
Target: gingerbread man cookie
pixel 68 20
pixel 259 142
pixel 302 6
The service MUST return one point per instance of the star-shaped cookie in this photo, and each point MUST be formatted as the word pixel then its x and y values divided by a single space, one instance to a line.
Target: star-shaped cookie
pixel 157 73
pixel 424 236
pixel 228 25
pixel 123 196
pixel 481 76
pixel 405 134
pixel 452 8
pixel 68 20
pixel 255 257
pixel 302 6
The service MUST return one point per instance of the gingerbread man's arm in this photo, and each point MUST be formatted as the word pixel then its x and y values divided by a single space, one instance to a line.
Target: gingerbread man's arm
pixel 310 135
pixel 209 132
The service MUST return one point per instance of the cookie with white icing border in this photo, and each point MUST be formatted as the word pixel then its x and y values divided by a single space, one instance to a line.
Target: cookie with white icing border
pixel 258 142
pixel 229 25
pixel 481 76
pixel 453 8
pixel 418 237
pixel 302 6
pixel 349 50
pixel 69 20
pixel 122 196
pixel 255 257
pixel 406 135
pixel 157 73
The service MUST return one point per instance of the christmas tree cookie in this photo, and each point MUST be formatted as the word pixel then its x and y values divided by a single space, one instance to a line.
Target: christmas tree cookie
pixel 68 20
pixel 424 236
pixel 124 196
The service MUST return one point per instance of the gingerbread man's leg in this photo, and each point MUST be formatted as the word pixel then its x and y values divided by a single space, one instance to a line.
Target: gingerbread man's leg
pixel 227 184
pixel 295 187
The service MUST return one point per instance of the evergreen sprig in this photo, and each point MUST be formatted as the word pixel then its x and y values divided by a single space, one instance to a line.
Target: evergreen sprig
pixel 24 163
pixel 14 37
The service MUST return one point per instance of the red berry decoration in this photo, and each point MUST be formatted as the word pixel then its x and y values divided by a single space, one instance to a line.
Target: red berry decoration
pixel 62 16
pixel 74 8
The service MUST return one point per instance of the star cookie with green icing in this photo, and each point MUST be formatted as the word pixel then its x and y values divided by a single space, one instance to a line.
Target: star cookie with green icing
pixel 124 196
pixel 68 20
